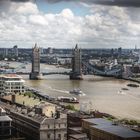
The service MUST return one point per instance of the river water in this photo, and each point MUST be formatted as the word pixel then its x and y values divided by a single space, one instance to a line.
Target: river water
pixel 102 93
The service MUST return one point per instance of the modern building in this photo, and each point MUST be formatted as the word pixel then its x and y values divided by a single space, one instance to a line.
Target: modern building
pixel 101 129
pixel 50 50
pixel 15 50
pixel 35 73
pixel 11 83
pixel 76 64
pixel 5 125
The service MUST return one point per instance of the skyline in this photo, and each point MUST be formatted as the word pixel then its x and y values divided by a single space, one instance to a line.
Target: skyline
pixel 63 24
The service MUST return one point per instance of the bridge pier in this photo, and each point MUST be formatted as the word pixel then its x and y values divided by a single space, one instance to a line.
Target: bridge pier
pixel 35 76
pixel 75 76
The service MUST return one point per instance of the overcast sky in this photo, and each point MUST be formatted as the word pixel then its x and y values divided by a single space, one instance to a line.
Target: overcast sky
pixel 63 23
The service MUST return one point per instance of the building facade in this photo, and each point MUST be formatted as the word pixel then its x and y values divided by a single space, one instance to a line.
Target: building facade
pixel 5 125
pixel 11 83
pixel 38 126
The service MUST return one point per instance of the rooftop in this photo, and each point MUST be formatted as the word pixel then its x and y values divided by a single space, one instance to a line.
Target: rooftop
pixel 78 136
pixel 78 129
pixel 99 121
pixel 5 119
pixel 107 126
pixel 118 131
pixel 80 114
pixel 10 76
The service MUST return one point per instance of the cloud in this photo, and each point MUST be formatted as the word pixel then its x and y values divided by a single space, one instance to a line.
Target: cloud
pixel 104 26
pixel 20 0
pixel 127 3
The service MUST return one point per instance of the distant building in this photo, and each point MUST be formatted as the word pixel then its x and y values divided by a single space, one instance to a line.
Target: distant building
pixel 76 64
pixel 101 129
pixel 5 125
pixel 6 52
pixel 11 83
pixel 35 73
pixel 119 51
pixel 41 50
pixel 50 50
pixel 15 50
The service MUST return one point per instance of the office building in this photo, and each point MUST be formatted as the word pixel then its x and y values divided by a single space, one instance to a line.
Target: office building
pixel 11 83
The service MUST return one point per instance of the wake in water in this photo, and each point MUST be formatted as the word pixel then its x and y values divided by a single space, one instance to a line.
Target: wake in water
pixel 121 92
pixel 130 94
pixel 64 91
pixel 58 90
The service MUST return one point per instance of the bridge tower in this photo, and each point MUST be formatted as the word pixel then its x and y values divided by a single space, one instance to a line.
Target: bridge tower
pixel 76 73
pixel 35 73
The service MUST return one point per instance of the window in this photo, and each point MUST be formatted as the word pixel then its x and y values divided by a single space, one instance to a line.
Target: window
pixel 59 136
pixel 48 136
pixel 48 126
pixel 6 123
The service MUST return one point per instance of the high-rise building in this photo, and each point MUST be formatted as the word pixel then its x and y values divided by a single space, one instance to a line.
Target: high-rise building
pixel 76 64
pixel 15 50
pixel 35 73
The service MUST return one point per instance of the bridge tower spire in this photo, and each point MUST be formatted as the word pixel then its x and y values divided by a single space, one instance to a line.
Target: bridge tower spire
pixel 76 73
pixel 35 73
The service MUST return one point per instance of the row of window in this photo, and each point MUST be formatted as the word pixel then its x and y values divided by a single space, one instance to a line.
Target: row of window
pixel 59 125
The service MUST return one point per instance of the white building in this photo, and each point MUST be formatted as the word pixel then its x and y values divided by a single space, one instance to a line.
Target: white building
pixel 11 83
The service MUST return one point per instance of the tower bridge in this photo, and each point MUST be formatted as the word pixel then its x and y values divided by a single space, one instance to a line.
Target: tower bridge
pixel 77 64
pixel 75 74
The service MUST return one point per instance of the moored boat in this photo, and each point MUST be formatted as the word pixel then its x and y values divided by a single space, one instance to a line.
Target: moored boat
pixel 125 89
pixel 132 85
pixel 68 99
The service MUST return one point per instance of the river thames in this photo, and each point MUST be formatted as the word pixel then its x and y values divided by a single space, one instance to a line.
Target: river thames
pixel 104 93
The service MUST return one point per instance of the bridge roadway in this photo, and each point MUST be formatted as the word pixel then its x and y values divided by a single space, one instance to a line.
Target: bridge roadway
pixel 44 73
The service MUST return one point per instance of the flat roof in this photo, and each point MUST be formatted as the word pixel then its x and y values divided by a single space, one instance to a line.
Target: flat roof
pixel 98 121
pixel 107 126
pixel 78 136
pixel 5 118
pixel 118 131
pixel 76 128
pixel 10 76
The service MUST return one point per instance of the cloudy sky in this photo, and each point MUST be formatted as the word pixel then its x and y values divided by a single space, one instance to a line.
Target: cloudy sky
pixel 63 23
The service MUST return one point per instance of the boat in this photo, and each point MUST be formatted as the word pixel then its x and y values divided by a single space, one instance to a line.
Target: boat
pixel 68 99
pixel 132 85
pixel 125 89
pixel 77 92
